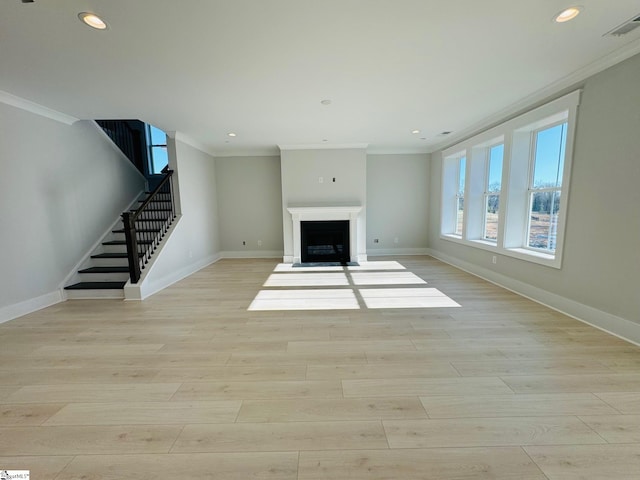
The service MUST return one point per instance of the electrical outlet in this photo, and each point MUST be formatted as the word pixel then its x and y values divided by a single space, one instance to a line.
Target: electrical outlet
pixel 494 260
pixel 244 243
pixel 320 180
pixel 376 240
pixel 396 240
pixel 259 243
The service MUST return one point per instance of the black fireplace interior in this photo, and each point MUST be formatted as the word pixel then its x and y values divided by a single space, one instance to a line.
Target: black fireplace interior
pixel 325 241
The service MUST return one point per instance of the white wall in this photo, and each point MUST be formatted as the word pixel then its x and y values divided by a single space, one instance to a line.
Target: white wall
pixel 300 173
pixel 61 187
pixel 194 242
pixel 599 280
pixel 397 204
pixel 250 205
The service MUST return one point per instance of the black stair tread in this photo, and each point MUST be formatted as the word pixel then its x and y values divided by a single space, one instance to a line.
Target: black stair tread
pixel 96 286
pixel 110 255
pixel 105 270
pixel 145 230
pixel 123 242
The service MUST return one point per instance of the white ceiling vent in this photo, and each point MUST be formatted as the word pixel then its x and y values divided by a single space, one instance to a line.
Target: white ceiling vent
pixel 625 28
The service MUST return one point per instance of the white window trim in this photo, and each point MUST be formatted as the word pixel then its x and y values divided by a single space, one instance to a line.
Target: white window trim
pixel 449 221
pixel 488 194
pixel 562 109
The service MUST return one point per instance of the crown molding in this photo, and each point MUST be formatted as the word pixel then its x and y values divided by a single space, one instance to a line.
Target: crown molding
pixel 29 106
pixel 324 146
pixel 613 58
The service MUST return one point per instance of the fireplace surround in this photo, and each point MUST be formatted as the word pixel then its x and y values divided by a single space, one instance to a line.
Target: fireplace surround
pixel 350 213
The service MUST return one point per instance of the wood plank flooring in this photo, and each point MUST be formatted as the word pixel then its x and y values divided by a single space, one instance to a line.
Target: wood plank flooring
pixel 192 384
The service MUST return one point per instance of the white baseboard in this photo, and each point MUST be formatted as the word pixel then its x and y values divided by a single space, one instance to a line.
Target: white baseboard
pixel 379 252
pixel 29 306
pixel 612 324
pixel 251 254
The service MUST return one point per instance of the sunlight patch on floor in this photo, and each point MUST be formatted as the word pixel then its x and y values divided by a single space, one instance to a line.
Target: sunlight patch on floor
pixel 406 298
pixel 306 280
pixel 386 278
pixel 288 267
pixel 382 265
pixel 325 299
pixel 310 288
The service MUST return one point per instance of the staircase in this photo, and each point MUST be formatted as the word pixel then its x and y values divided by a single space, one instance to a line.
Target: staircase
pixel 107 270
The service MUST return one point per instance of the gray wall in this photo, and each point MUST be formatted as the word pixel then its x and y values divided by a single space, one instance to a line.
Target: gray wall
pixel 61 188
pixel 601 262
pixel 195 241
pixel 301 170
pixel 397 203
pixel 250 205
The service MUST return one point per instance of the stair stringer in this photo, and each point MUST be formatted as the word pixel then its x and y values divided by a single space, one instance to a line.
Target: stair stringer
pixel 151 280
pixel 85 261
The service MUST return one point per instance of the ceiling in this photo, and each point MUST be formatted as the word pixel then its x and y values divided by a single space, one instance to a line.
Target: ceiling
pixel 260 68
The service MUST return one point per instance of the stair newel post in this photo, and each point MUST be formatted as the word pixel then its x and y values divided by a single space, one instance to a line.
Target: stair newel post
pixel 132 245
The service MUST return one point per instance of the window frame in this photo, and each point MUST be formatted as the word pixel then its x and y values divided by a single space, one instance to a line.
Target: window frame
pixel 449 217
pixel 460 194
pixel 487 193
pixel 151 146
pixel 517 178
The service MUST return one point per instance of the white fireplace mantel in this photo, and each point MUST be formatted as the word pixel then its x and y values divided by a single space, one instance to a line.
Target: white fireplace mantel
pixel 318 213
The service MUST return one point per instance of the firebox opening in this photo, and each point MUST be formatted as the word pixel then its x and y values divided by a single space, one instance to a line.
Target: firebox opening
pixel 325 241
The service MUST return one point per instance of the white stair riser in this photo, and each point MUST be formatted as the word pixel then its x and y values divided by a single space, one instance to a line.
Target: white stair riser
pixel 104 277
pixel 94 294
pixel 109 262
pixel 114 248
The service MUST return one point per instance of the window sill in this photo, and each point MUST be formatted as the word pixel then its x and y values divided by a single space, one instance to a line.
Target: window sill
pixel 532 256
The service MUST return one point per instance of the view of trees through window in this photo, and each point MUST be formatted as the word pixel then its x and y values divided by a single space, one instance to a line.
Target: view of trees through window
pixel 460 195
pixel 492 192
pixel 545 186
pixel 505 190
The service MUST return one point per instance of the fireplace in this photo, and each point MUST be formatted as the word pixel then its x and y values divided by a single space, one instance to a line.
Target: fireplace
pixel 353 241
pixel 324 241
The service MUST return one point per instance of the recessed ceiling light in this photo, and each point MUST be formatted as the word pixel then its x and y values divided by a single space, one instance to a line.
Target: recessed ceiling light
pixel 325 140
pixel 326 101
pixel 567 14
pixel 92 20
pixel 415 131
pixel 231 134
pixel 423 138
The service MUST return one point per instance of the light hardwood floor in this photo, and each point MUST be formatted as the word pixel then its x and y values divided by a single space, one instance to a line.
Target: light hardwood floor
pixel 192 384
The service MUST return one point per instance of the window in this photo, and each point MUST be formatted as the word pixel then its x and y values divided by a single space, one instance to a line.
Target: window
pixel 454 184
pixel 157 144
pixel 493 186
pixel 462 163
pixel 505 190
pixel 545 187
